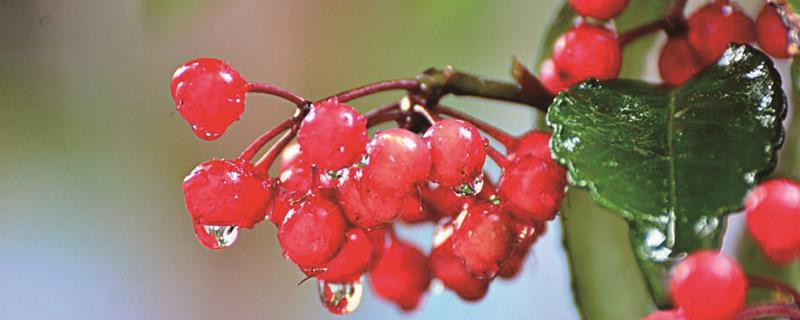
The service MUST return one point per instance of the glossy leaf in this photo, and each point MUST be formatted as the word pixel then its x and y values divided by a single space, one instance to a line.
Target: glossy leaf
pixel 672 162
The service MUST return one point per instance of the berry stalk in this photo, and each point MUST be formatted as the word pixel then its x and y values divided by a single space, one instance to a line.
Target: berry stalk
pixel 790 311
pixel 276 91
pixel 263 164
pixel 372 88
pixel 768 283
pixel 259 143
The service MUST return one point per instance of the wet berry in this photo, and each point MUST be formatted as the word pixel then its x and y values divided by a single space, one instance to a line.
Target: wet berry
pixel 771 32
pixel 773 218
pixel 457 150
pixel 708 285
pixel 442 201
pixel 227 192
pixel 447 267
pixel 599 9
pixel 398 159
pixel 332 136
pixel 483 239
pixel 531 189
pixel 413 211
pixel 587 51
pixel 210 95
pixel 401 275
pixel 553 79
pixel 365 207
pixel 352 260
pixel 713 27
pixel 312 232
pixel 678 62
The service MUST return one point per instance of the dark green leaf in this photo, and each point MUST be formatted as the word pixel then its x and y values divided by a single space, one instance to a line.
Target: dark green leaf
pixel 672 162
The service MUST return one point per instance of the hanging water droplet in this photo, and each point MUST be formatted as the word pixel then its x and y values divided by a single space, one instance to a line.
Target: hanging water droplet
pixel 216 237
pixel 470 189
pixel 340 298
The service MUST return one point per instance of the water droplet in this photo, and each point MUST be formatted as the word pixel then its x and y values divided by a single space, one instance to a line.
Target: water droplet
pixel 437 287
pixel 470 189
pixel 340 298
pixel 216 237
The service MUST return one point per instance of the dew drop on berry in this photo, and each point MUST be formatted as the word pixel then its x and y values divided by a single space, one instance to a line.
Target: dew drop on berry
pixel 216 237
pixel 340 298
pixel 470 189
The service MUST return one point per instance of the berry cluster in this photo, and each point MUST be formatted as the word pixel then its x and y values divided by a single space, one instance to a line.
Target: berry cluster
pixel 340 191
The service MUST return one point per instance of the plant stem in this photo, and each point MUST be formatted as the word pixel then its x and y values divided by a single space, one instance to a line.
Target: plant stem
pixel 259 143
pixel 385 109
pixel 776 285
pixel 276 91
pixel 497 157
pixel 407 84
pixel 383 118
pixel 507 140
pixel 770 310
pixel 263 164
pixel 642 31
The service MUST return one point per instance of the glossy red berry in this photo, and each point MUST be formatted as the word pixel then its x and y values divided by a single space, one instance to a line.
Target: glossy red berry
pixel 678 62
pixel 378 238
pixel 708 285
pixel 210 95
pixel 365 207
pixel 401 275
pixel 413 211
pixel 553 79
pixel 713 27
pixel 398 159
pixel 771 32
pixel 332 136
pixel 283 201
pixel 773 218
pixel 531 189
pixel 447 267
pixel 227 192
pixel 442 201
pixel 587 51
pixel 599 9
pixel 458 152
pixel 666 315
pixel 483 239
pixel 534 143
pixel 352 260
pixel 312 232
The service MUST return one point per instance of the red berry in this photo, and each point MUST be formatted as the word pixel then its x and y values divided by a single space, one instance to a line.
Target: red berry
pixel 289 155
pixel 296 176
pixel 772 34
pixel 553 79
pixel 587 51
pixel 210 95
pixel 773 218
pixel 398 159
pixel 708 285
pixel 599 9
pixel 447 267
pixel 678 62
pixel 713 27
pixel 363 206
pixel 215 237
pixel 352 260
pixel 531 189
pixel 227 192
pixel 666 315
pixel 333 135
pixel 458 152
pixel 283 202
pixel 312 232
pixel 413 211
pixel 442 201
pixel 534 143
pixel 483 239
pixel 401 275
pixel 378 239
pixel 513 265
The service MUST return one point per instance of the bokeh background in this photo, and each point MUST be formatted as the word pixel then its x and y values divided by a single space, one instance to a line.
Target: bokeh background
pixel 92 153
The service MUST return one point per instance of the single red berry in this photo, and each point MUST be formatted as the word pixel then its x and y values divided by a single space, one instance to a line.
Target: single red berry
pixel 210 95
pixel 227 192
pixel 447 267
pixel 442 201
pixel 312 232
pixel 413 211
pixel 333 135
pixel 678 62
pixel 284 201
pixel 352 260
pixel 378 240
pixel 666 315
pixel 289 155
pixel 713 27
pixel 401 275
pixel 534 143
pixel 599 9
pixel 708 285
pixel 587 51
pixel 398 159
pixel 531 189
pixel 553 79
pixel 772 34
pixel 512 267
pixel 773 218
pixel 296 176
pixel 458 152
pixel 483 239
pixel 365 207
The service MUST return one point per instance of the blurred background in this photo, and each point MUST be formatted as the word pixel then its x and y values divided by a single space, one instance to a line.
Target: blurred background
pixel 92 153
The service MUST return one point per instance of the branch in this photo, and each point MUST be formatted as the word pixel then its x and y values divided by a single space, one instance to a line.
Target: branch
pixel 375 88
pixel 276 91
pixel 770 310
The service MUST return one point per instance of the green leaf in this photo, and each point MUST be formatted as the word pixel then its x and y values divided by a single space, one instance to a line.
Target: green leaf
pixel 672 162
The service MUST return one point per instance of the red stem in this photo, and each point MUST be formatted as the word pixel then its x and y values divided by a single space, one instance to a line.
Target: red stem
pixel 276 91
pixel 770 310
pixel 776 285
pixel 382 110
pixel 259 143
pixel 641 31
pixel 497 157
pixel 507 140
pixel 263 164
pixel 371 88
pixel 383 118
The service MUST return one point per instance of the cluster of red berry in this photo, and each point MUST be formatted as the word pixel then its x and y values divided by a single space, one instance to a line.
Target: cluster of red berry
pixel 339 192
pixel 592 50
